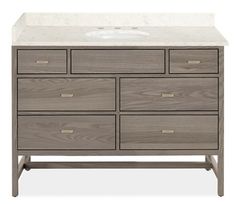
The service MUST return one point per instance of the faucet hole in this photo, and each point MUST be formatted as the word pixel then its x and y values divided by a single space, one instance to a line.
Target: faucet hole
pixel 100 28
pixel 134 28
pixel 117 28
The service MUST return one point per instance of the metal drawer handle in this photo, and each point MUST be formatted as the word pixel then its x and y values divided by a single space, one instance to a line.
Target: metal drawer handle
pixel 167 131
pixel 67 131
pixel 67 95
pixel 41 62
pixel 193 61
pixel 167 95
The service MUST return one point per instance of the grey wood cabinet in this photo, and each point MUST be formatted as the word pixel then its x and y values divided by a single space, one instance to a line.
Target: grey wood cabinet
pixel 118 101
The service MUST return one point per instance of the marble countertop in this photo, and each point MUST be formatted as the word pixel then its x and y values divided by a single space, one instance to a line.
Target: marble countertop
pixel 70 30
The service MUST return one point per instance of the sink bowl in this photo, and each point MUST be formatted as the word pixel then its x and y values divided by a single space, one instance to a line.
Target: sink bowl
pixel 117 34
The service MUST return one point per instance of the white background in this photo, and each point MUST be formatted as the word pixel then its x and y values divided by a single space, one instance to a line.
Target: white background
pixel 117 186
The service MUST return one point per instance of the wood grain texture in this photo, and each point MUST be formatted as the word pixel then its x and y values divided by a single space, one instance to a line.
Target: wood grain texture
pixel 189 94
pixel 50 132
pixel 27 61
pixel 118 61
pixel 189 132
pixel 51 94
pixel 115 63
pixel 208 61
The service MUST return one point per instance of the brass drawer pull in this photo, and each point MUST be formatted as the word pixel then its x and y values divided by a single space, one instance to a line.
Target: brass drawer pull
pixel 41 62
pixel 67 131
pixel 193 61
pixel 65 95
pixel 167 95
pixel 167 131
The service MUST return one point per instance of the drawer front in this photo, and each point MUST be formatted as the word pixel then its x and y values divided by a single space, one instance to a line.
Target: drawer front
pixel 118 61
pixel 193 61
pixel 66 94
pixel 66 132
pixel 169 132
pixel 42 61
pixel 169 94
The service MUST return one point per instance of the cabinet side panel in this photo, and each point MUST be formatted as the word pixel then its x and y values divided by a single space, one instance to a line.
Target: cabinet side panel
pixel 14 124
pixel 221 124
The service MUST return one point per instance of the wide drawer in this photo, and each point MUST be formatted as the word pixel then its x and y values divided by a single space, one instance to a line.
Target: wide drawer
pixel 66 94
pixel 42 61
pixel 194 61
pixel 66 132
pixel 168 94
pixel 169 132
pixel 118 61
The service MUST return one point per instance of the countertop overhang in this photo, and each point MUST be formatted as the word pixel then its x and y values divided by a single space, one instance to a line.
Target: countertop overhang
pixel 50 29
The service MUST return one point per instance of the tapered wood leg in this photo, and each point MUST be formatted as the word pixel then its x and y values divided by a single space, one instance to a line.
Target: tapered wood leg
pixel 17 169
pixel 221 174
pixel 14 175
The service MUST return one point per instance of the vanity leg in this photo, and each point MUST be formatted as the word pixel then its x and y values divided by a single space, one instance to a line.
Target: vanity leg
pixel 221 174
pixel 15 168
pixel 220 164
pixel 27 159
pixel 207 161
pixel 14 175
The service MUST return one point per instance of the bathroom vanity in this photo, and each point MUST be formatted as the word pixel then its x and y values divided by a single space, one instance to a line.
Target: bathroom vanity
pixel 117 84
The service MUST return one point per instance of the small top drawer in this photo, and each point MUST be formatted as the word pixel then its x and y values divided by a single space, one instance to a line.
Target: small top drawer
pixel 41 61
pixel 118 61
pixel 194 61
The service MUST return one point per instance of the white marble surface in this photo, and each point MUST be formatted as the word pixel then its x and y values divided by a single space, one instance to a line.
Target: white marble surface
pixel 70 29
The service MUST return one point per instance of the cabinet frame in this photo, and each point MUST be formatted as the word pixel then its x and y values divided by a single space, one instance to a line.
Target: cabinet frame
pixel 25 162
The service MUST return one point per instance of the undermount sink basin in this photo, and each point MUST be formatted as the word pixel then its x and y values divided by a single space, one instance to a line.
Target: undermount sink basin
pixel 117 34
